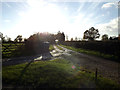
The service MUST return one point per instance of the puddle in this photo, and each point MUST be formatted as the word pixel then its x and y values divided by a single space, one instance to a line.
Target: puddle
pixel 39 58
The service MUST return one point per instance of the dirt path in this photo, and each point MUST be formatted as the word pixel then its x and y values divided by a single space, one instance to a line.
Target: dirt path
pixel 105 67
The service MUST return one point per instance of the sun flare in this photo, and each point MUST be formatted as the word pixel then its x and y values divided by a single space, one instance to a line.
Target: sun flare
pixel 46 18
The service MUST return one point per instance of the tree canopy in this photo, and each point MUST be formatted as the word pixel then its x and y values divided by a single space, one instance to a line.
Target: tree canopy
pixel 91 34
pixel 18 38
pixel 104 37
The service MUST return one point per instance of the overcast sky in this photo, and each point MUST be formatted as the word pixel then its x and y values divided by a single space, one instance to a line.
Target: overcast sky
pixel 72 18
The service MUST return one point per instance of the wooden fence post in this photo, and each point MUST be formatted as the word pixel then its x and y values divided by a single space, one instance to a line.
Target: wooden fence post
pixel 96 75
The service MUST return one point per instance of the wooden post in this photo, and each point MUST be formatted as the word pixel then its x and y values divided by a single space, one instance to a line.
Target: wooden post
pixel 96 75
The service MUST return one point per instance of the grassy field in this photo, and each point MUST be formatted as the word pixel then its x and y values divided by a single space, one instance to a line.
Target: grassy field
pixel 58 73
pixel 90 52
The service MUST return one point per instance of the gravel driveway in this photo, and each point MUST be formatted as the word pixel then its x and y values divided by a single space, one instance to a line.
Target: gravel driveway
pixel 106 68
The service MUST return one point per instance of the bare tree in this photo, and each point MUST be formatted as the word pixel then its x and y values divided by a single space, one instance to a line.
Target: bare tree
pixel 66 37
pixel 76 39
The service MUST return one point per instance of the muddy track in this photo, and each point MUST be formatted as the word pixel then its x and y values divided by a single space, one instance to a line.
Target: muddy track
pixel 106 68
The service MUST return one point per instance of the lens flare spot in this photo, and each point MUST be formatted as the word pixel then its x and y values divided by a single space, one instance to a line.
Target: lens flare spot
pixel 73 67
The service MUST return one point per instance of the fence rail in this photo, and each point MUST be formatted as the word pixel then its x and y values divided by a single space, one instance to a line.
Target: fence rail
pixel 13 49
pixel 10 49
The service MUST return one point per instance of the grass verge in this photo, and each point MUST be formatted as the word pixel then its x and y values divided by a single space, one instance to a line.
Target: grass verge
pixel 59 47
pixel 58 73
pixel 90 52
pixel 51 48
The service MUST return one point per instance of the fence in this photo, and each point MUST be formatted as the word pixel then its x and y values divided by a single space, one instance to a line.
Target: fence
pixel 11 49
